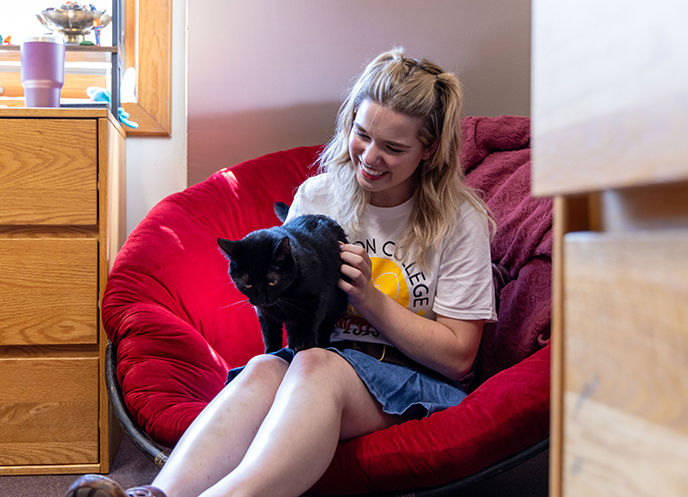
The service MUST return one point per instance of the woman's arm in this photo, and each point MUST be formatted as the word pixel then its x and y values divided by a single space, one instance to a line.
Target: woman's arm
pixel 447 345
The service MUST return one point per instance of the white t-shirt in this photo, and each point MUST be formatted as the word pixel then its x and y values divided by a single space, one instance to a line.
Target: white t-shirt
pixel 457 283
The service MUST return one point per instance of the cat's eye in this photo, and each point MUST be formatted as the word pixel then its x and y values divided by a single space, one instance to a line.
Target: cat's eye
pixel 272 283
pixel 248 286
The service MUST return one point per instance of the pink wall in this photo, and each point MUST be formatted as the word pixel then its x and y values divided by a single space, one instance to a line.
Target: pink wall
pixel 269 75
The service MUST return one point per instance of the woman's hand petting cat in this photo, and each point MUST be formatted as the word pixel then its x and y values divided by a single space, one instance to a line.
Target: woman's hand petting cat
pixel 359 268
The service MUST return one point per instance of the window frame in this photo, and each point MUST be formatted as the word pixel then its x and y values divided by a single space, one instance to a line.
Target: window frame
pixel 148 48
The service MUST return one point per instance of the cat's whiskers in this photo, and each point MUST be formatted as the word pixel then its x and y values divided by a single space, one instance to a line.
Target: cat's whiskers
pixel 291 309
pixel 300 300
pixel 238 302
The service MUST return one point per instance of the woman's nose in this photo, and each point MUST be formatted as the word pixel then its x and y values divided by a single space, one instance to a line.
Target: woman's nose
pixel 370 155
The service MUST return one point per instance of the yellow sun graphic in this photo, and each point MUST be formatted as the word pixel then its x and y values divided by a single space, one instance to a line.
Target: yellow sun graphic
pixel 388 278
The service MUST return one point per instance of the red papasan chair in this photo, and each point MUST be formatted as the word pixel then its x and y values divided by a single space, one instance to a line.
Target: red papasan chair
pixel 177 324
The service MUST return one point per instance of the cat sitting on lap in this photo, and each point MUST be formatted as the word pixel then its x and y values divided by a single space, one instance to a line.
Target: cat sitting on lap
pixel 290 275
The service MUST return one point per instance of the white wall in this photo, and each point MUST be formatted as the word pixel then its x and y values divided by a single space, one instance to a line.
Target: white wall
pixel 156 166
pixel 266 75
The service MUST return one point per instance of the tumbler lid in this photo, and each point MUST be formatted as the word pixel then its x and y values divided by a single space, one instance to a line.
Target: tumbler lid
pixel 47 38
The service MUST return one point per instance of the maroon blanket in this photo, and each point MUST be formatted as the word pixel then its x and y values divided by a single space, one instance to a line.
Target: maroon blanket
pixel 496 160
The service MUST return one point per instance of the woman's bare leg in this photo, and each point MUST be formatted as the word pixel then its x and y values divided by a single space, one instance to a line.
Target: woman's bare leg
pixel 321 400
pixel 218 438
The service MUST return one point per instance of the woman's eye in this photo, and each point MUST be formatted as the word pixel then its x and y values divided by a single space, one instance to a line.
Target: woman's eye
pixel 394 150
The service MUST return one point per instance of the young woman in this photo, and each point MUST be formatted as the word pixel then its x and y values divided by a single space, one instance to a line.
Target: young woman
pixel 419 283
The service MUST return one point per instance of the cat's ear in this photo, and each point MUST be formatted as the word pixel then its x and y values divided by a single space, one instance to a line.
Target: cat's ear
pixel 228 246
pixel 281 210
pixel 282 250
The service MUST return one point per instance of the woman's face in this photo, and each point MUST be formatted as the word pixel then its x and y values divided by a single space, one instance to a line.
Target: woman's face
pixel 386 151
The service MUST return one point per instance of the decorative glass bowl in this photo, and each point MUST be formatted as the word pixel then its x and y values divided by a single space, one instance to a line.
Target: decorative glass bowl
pixel 74 25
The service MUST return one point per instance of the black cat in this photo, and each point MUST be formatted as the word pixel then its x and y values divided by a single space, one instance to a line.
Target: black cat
pixel 289 274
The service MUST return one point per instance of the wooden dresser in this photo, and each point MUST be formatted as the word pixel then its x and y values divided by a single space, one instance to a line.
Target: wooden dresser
pixel 610 143
pixel 62 221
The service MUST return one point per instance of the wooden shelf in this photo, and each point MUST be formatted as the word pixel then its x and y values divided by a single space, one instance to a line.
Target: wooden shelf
pixel 75 53
pixel 75 84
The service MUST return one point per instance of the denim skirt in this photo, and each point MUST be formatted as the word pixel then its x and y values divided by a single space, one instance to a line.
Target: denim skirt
pixel 400 390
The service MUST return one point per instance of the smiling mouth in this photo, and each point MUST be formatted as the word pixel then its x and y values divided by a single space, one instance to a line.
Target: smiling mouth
pixel 369 171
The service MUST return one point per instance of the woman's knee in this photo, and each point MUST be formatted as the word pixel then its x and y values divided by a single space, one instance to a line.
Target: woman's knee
pixel 320 364
pixel 265 368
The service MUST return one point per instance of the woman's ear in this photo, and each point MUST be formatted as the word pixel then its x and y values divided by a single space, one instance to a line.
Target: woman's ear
pixel 430 150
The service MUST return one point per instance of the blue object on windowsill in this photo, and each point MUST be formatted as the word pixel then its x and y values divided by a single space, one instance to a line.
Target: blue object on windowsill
pixel 102 95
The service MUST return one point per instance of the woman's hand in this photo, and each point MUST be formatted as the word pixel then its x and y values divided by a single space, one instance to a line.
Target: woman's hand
pixel 359 268
pixel 446 345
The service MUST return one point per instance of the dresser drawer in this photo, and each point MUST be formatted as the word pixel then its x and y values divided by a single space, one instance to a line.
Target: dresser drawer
pixel 48 290
pixel 48 172
pixel 48 410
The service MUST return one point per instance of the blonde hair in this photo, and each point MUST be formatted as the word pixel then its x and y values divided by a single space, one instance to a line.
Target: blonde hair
pixel 417 88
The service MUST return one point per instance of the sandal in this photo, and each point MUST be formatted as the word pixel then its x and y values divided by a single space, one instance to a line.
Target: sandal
pixel 101 486
pixel 145 491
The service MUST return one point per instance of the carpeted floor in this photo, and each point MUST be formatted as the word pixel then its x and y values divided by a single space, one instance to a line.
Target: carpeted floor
pixel 132 468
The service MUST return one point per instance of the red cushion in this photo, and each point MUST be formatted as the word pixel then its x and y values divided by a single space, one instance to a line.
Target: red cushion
pixel 507 413
pixel 179 323
pixel 170 308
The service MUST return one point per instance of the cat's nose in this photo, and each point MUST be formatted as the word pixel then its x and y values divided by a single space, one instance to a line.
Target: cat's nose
pixel 260 300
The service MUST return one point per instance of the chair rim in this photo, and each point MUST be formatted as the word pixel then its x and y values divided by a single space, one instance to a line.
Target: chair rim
pixel 450 489
pixel 154 451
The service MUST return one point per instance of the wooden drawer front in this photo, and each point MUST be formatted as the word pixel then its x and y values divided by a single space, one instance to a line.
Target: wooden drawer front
pixel 626 364
pixel 48 291
pixel 48 171
pixel 48 411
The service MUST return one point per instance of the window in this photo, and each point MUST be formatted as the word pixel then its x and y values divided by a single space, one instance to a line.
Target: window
pixel 147 47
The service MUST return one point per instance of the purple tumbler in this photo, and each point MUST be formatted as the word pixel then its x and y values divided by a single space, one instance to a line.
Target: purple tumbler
pixel 42 70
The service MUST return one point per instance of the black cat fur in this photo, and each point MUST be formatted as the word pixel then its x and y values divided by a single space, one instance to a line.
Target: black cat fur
pixel 289 274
